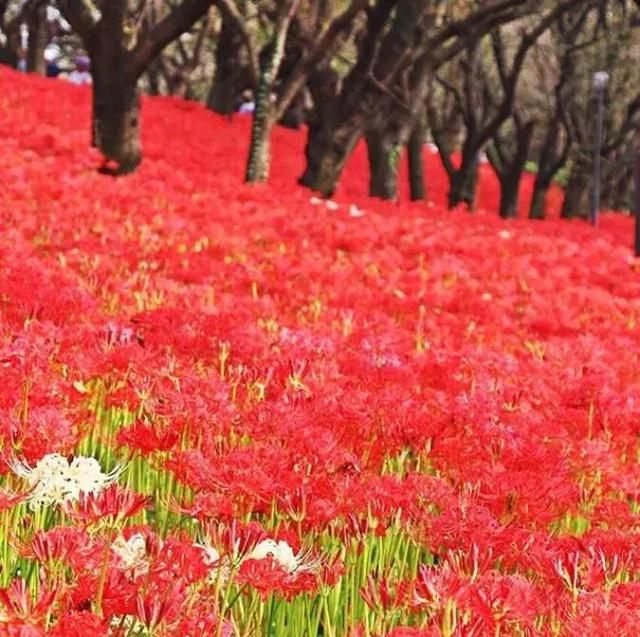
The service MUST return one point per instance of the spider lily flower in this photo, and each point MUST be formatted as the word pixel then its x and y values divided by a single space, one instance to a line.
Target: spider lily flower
pixel 8 500
pixel 219 569
pixel 211 555
pixel 114 502
pixel 18 602
pixel 132 553
pixel 54 480
pixel 282 554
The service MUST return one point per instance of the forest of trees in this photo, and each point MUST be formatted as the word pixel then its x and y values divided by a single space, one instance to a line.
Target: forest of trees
pixel 506 80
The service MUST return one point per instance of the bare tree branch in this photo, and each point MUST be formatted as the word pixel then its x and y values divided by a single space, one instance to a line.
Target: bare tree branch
pixel 172 26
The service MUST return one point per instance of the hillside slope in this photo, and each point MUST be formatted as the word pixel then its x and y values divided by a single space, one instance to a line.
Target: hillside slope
pixel 440 410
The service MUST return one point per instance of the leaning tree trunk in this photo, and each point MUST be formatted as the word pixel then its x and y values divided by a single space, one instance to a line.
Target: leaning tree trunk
pixel 415 154
pixel 265 116
pixel 116 112
pixel 38 40
pixel 382 150
pixel 327 151
pixel 260 149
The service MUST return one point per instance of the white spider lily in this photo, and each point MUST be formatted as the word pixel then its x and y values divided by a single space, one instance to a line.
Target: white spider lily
pixel 211 555
pixel 282 554
pixel 132 553
pixel 54 480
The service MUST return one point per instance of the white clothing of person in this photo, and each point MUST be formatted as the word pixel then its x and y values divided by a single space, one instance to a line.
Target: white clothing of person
pixel 79 77
pixel 247 107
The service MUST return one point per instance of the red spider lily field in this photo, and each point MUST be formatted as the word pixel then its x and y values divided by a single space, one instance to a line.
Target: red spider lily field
pixel 240 411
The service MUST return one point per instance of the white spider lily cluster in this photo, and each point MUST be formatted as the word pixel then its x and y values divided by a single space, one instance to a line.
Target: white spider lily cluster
pixel 54 480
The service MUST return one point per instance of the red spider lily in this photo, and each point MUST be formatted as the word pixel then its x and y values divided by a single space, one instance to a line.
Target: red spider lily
pixel 235 539
pixel 113 502
pixel 377 594
pixel 19 629
pixel 203 621
pixel 147 438
pixel 266 577
pixel 19 603
pixel 469 398
pixel 80 624
pixel 68 545
pixel 179 559
pixel 8 500
pixel 160 606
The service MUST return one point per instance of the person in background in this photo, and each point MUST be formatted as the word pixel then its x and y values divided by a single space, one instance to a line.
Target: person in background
pixel 82 73
pixel 247 105
pixel 51 58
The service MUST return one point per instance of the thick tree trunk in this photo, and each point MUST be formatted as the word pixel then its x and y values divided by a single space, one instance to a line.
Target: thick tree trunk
pixel 415 150
pixel 512 176
pixel 383 165
pixel 327 151
pixel 464 184
pixel 230 76
pixel 509 197
pixel 294 116
pixel 9 53
pixel 116 114
pixel 38 40
pixel 537 210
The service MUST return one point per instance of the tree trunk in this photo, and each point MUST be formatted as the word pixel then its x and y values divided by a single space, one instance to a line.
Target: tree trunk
pixel 116 113
pixel 383 165
pixel 464 183
pixel 327 151
pixel 575 203
pixel 415 150
pixel 537 210
pixel 509 197
pixel 9 53
pixel 153 75
pixel 511 178
pixel 294 116
pixel 230 76
pixel 38 40
pixel 260 152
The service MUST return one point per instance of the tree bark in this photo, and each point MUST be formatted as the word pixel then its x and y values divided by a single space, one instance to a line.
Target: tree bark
pixel 265 116
pixel 382 150
pixel 464 183
pixel 9 52
pixel 295 114
pixel 326 152
pixel 575 203
pixel 38 40
pixel 116 113
pixel 537 210
pixel 509 197
pixel 230 78
pixel 415 150
pixel 511 174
